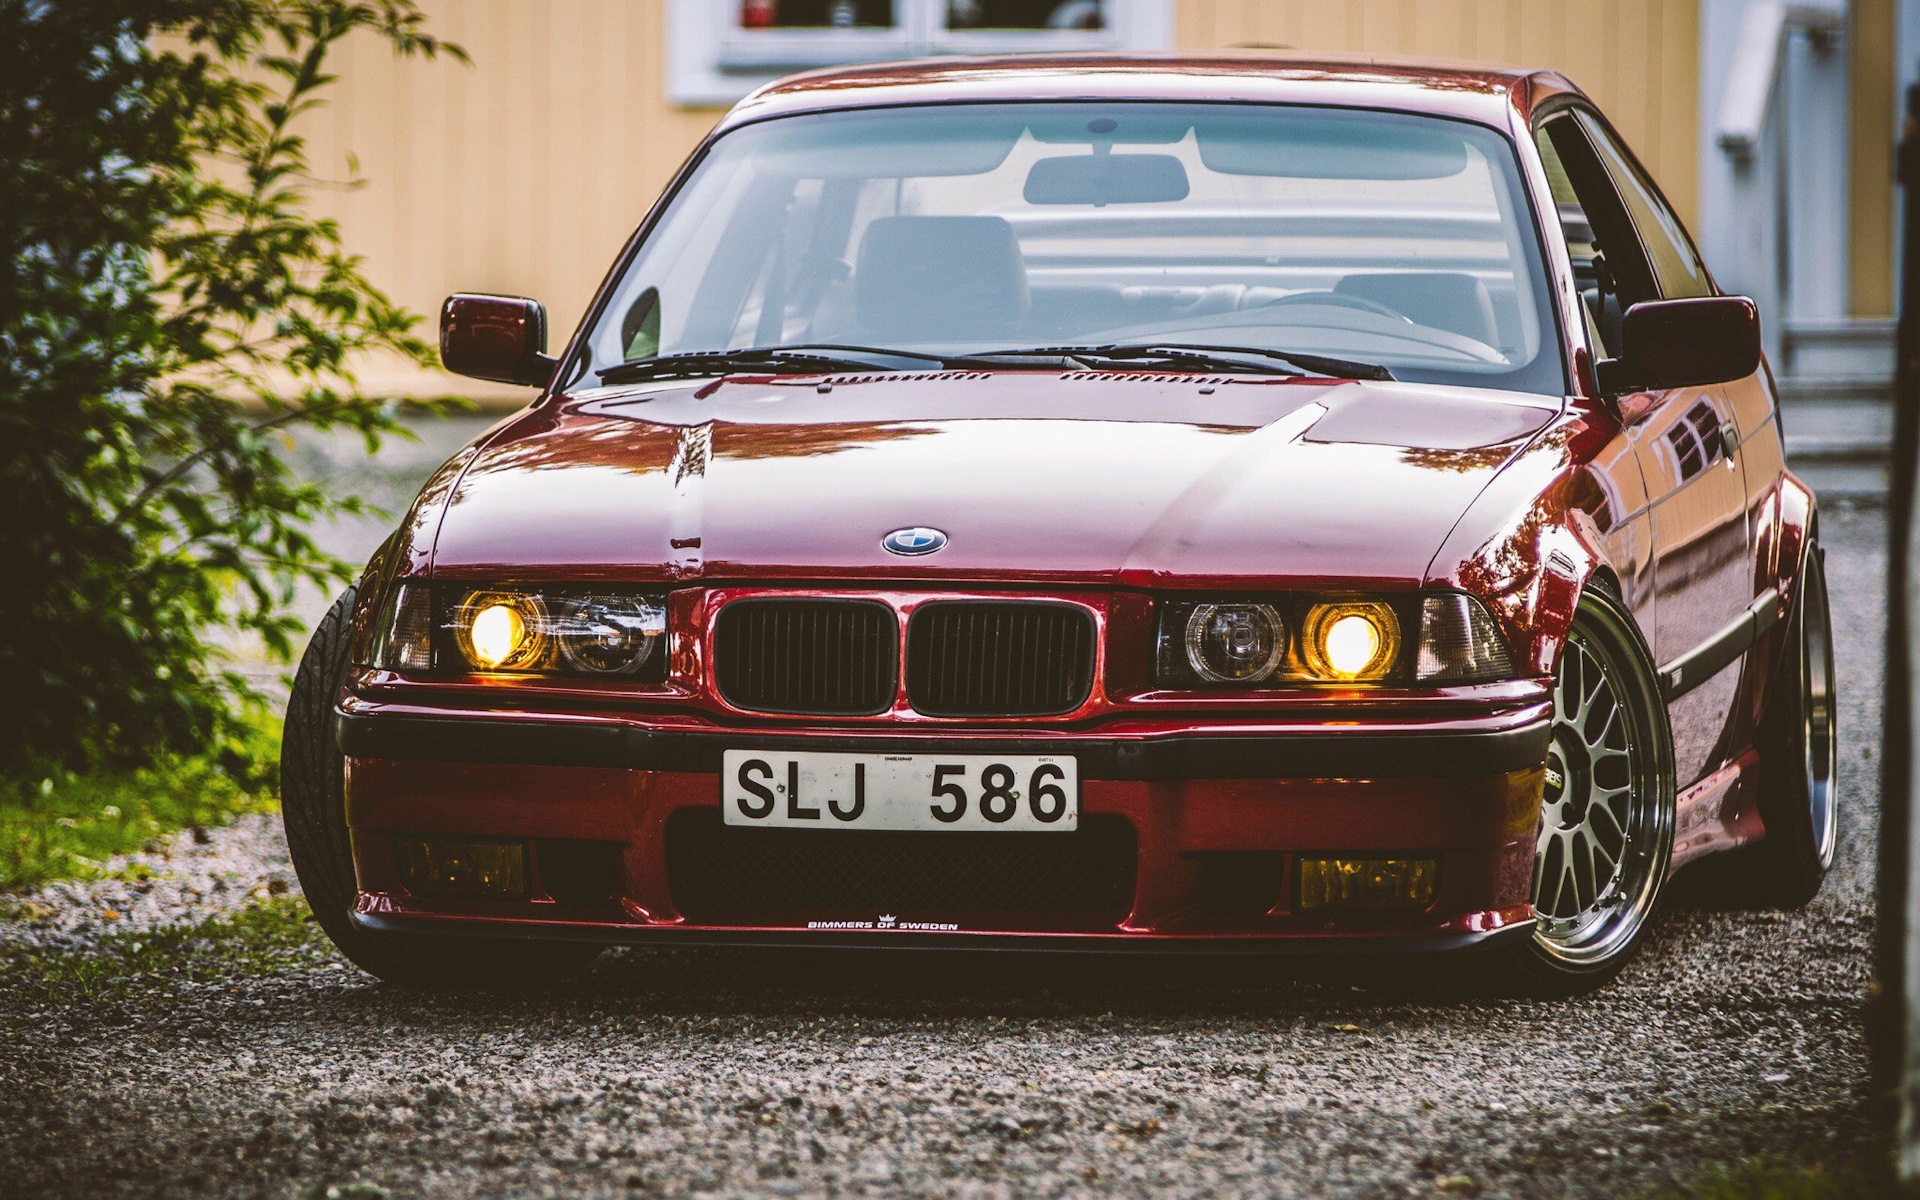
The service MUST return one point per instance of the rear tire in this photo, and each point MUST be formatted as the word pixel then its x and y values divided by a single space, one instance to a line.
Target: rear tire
pixel 1799 755
pixel 313 809
pixel 1606 826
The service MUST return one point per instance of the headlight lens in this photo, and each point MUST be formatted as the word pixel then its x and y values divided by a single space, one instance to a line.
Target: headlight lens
pixel 1293 639
pixel 610 635
pixel 1349 641
pixel 1235 643
pixel 559 630
pixel 1459 642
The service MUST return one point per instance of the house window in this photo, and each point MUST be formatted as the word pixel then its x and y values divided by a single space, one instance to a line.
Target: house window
pixel 816 14
pixel 719 50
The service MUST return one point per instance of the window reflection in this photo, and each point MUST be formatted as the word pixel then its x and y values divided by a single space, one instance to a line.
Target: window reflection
pixel 1026 14
pixel 1696 440
pixel 816 14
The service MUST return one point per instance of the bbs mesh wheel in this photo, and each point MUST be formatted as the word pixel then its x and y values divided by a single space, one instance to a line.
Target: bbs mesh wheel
pixel 1605 837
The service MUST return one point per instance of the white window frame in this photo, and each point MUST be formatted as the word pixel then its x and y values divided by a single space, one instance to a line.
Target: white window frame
pixel 711 60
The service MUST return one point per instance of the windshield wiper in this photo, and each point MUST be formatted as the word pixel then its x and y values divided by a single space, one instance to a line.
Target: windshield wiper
pixel 1210 358
pixel 779 360
pixel 1319 364
pixel 826 358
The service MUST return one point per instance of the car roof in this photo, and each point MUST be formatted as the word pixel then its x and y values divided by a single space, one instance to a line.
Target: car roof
pixel 1491 95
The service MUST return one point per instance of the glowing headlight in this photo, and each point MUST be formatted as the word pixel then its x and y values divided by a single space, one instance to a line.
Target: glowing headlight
pixel 1350 641
pixel 502 631
pixel 1235 643
pixel 497 632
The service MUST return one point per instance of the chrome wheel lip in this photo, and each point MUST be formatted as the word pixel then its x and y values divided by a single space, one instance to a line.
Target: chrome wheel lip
pixel 1819 743
pixel 1628 794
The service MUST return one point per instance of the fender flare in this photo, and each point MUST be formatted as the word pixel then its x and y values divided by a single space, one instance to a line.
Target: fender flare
pixel 1564 556
pixel 1788 527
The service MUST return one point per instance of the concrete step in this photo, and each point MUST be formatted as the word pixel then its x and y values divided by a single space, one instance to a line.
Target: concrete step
pixel 1838 429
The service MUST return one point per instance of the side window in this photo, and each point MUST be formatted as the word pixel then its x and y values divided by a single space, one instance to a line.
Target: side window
pixel 1676 266
pixel 1611 268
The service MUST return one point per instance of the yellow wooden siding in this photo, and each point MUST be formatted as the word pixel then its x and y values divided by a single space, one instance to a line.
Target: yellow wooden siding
pixel 1871 46
pixel 524 172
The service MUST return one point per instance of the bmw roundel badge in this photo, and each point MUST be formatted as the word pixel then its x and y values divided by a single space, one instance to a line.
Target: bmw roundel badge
pixel 915 541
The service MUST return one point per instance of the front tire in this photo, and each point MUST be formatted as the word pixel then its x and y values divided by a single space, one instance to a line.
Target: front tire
pixel 313 809
pixel 1605 838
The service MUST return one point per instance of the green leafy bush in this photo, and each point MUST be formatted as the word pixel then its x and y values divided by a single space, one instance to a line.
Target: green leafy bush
pixel 169 309
pixel 1859 1179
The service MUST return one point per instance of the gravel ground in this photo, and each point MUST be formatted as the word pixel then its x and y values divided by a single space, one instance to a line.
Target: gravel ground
pixel 192 879
pixel 1736 1034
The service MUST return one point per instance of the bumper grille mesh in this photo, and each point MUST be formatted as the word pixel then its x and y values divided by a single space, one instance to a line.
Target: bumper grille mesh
pixel 826 657
pixel 721 874
pixel 999 659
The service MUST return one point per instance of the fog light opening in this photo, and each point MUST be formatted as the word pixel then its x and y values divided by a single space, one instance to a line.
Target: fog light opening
pixel 439 867
pixel 1368 883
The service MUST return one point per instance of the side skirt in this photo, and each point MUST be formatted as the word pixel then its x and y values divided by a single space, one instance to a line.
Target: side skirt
pixel 1721 650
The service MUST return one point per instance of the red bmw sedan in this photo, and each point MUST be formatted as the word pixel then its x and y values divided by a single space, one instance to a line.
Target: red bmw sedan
pixel 1240 503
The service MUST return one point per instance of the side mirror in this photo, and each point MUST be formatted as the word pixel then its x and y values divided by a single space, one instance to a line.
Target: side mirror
pixel 1684 343
pixel 501 338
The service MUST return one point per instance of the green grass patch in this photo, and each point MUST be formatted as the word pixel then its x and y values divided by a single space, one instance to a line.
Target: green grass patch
pixel 1845 1181
pixel 67 824
pixel 277 934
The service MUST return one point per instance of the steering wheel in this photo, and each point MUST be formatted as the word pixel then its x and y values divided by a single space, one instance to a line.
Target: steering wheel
pixel 1338 300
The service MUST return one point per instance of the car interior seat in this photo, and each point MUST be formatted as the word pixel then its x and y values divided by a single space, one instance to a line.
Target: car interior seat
pixel 1607 314
pixel 921 278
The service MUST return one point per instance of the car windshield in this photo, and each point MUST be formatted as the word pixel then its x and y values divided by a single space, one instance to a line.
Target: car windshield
pixel 962 229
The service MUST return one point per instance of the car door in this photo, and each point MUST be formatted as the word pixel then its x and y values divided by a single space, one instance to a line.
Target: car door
pixel 1687 440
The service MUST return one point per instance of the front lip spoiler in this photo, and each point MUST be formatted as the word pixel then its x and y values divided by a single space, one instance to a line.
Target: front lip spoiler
pixel 1347 753
pixel 1308 945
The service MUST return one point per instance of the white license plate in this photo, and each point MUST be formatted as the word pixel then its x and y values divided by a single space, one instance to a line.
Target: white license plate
pixel 974 792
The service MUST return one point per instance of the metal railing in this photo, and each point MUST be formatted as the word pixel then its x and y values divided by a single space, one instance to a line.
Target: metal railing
pixel 1784 96
pixel 1764 30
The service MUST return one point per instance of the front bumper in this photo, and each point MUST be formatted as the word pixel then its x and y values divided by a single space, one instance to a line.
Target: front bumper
pixel 1200 803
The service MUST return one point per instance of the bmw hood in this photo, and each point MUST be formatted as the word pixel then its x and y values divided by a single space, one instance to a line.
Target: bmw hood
pixel 1071 477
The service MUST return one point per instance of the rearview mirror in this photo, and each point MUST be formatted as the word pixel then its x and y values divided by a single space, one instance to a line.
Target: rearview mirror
pixel 1684 343
pixel 1100 179
pixel 500 338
